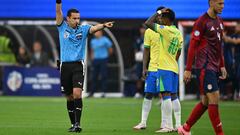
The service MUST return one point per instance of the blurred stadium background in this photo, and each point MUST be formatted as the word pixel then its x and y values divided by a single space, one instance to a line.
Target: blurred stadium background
pixel 23 22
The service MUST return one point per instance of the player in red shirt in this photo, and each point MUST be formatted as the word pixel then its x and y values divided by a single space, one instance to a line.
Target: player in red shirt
pixel 206 49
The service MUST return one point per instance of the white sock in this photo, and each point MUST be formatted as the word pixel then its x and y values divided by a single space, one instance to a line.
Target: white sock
pixel 177 112
pixel 146 107
pixel 163 116
pixel 167 113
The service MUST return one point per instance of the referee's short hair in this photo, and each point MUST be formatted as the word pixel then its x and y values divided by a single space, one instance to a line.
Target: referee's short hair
pixel 72 10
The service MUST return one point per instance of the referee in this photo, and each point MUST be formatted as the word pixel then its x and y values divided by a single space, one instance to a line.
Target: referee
pixel 72 38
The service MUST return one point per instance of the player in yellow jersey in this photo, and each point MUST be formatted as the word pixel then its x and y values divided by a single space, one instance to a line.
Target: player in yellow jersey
pixel 150 72
pixel 170 50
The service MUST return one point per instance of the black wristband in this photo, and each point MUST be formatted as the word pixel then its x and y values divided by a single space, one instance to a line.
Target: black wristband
pixel 58 1
pixel 104 25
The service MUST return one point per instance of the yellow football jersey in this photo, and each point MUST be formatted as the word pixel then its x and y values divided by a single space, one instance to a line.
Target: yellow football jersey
pixel 171 43
pixel 152 41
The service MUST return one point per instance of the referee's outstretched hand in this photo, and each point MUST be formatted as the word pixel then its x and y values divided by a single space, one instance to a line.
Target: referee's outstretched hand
pixel 109 24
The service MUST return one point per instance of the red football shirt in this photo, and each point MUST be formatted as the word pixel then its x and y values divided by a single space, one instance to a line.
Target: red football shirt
pixel 206 44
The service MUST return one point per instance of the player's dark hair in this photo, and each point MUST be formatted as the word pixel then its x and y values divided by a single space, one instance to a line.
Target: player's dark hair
pixel 209 2
pixel 159 8
pixel 72 10
pixel 170 15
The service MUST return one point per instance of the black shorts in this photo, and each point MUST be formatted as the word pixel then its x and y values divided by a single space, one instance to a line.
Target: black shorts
pixel 72 76
pixel 207 81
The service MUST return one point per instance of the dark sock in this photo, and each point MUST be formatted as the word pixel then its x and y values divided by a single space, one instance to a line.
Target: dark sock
pixel 71 114
pixel 78 109
pixel 215 118
pixel 197 112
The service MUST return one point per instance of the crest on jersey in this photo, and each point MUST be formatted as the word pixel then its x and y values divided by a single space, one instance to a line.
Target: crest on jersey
pixel 66 34
pixel 161 26
pixel 196 33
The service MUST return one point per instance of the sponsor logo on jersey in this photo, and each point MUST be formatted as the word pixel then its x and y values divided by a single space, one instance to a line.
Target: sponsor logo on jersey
pixel 79 36
pixel 212 29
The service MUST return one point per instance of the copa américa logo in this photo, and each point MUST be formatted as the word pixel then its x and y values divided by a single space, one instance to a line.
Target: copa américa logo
pixel 14 81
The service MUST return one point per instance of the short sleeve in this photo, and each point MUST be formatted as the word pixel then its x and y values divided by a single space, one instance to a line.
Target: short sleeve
pixel 61 26
pixel 198 29
pixel 86 29
pixel 147 39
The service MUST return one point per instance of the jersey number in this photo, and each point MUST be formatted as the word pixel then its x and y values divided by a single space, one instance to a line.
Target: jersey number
pixel 173 46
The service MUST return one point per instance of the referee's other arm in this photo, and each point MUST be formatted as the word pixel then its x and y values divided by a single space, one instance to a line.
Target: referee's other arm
pixel 59 14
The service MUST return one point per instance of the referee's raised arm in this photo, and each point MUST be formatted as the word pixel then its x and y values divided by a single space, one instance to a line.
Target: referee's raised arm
pixel 59 14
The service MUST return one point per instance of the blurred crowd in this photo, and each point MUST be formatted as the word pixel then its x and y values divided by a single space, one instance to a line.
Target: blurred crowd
pixel 230 87
pixel 22 56
pixel 36 58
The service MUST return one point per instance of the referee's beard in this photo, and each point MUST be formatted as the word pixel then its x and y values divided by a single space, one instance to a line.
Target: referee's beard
pixel 74 24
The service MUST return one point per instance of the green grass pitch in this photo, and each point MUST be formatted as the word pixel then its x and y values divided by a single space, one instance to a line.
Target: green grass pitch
pixel 48 116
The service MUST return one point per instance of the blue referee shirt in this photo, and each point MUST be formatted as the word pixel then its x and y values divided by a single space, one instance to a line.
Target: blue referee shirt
pixel 72 42
pixel 100 47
